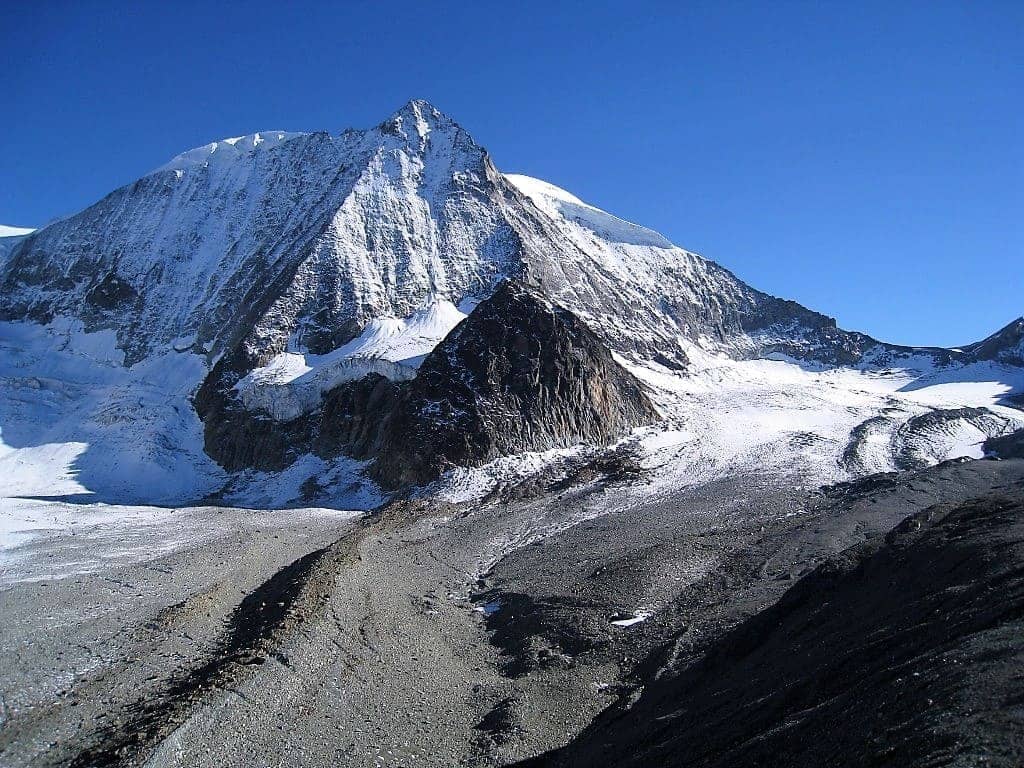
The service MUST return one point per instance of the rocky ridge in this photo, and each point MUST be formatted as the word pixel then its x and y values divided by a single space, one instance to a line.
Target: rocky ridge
pixel 296 241
pixel 519 374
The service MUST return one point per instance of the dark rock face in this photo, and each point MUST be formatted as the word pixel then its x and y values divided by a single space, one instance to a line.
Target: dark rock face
pixel 232 437
pixel 348 423
pixel 1009 446
pixel 111 293
pixel 1005 345
pixel 787 328
pixel 519 374
pixel 353 416
pixel 901 651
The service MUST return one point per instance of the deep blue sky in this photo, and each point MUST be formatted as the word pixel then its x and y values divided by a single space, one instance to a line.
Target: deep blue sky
pixel 864 159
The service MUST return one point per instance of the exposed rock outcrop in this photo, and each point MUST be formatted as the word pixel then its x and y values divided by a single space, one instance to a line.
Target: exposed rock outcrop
pixel 1005 345
pixel 1009 446
pixel 518 375
pixel 348 423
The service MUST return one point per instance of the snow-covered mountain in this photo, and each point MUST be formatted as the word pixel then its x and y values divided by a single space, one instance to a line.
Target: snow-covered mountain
pixel 307 278
pixel 296 242
pixel 274 239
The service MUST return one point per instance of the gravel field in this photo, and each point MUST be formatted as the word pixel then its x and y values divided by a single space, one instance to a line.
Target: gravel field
pixel 425 634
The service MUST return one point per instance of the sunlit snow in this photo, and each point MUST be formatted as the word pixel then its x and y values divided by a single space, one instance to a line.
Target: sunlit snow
pixel 292 383
pixel 8 231
pixel 558 203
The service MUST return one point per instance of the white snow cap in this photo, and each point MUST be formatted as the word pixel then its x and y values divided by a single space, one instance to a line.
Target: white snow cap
pixel 7 231
pixel 558 203
pixel 418 115
pixel 227 149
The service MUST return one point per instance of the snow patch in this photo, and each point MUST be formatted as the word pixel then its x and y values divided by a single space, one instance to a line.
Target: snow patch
pixel 407 340
pixel 628 621
pixel 293 383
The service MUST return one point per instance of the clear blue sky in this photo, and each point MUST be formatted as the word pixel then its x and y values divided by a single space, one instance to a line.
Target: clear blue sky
pixel 865 159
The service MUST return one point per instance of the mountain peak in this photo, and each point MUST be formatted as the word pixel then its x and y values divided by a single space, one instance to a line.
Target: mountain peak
pixel 1005 345
pixel 417 118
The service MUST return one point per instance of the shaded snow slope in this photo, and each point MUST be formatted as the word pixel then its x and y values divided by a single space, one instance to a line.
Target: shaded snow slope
pixel 76 425
pixel 74 422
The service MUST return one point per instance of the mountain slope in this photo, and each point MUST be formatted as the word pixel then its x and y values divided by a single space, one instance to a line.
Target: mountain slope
pixel 1005 345
pixel 652 297
pixel 902 650
pixel 299 240
pixel 282 241
pixel 288 270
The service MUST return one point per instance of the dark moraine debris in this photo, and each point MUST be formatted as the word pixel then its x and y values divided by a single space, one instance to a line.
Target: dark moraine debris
pixel 252 635
pixel 902 651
